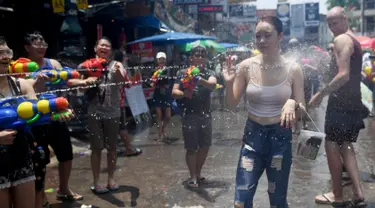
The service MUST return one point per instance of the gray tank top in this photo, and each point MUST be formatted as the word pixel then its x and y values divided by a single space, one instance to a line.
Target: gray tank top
pixel 107 104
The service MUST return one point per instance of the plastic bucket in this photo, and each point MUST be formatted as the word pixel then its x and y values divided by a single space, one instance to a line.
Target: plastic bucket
pixel 309 143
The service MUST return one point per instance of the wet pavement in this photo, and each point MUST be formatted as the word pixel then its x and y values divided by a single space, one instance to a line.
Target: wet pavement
pixel 156 178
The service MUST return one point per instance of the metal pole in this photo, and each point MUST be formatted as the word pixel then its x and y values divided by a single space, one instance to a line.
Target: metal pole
pixel 363 17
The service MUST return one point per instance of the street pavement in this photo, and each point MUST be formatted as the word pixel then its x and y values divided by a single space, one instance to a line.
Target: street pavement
pixel 157 177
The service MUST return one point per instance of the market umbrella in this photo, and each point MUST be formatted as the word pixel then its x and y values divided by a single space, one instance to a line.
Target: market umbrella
pixel 240 49
pixel 229 45
pixel 174 37
pixel 207 43
pixel 368 44
pixel 362 38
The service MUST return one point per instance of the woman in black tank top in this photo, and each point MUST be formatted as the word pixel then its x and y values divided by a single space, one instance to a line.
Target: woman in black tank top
pixel 16 167
pixel 15 160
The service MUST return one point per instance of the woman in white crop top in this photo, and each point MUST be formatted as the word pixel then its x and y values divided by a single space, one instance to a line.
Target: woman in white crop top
pixel 274 92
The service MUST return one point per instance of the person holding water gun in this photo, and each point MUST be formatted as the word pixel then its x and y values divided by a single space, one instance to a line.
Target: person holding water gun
pixel 162 95
pixel 104 115
pixel 55 134
pixel 17 186
pixel 196 116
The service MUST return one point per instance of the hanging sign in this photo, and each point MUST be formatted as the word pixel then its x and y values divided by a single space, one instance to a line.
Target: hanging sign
pixel 82 4
pixel 58 6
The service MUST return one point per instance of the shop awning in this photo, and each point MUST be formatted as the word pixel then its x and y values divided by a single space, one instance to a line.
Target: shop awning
pixel 147 21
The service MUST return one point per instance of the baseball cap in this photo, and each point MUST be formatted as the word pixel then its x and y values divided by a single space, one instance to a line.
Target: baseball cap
pixel 161 55
pixel 197 44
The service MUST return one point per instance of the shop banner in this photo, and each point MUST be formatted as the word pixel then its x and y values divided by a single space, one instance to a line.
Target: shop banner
pixel 142 49
pixel 312 17
pixel 58 6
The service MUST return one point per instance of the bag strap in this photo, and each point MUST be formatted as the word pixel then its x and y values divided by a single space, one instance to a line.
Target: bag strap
pixel 15 86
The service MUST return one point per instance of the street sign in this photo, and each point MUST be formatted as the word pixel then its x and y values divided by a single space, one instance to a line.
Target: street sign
pixel 210 8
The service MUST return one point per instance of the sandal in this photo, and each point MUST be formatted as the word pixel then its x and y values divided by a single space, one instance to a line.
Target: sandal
pixel 65 197
pixel 99 190
pixel 113 187
pixel 324 199
pixel 201 180
pixel 359 203
pixel 340 204
pixel 46 204
pixel 192 184
pixel 133 152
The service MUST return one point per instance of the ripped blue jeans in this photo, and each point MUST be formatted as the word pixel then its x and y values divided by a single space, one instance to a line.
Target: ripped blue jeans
pixel 269 148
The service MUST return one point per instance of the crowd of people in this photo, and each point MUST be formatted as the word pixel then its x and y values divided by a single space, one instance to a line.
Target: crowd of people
pixel 274 91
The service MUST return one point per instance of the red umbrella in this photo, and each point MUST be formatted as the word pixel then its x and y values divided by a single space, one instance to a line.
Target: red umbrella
pixel 368 44
pixel 362 38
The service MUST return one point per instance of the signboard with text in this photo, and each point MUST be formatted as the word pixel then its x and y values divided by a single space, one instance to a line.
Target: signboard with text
pixel 210 8
pixel 312 17
pixel 297 27
pixel 283 13
pixel 181 2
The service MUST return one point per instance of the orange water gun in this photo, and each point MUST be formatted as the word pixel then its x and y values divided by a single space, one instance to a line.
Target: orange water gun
pixel 190 80
pixel 96 67
pixel 22 65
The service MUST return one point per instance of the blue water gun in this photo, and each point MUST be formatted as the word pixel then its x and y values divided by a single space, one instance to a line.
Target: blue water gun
pixel 27 113
pixel 58 77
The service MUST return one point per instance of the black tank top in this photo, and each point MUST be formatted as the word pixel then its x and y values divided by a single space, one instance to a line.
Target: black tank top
pixel 347 99
pixel 15 155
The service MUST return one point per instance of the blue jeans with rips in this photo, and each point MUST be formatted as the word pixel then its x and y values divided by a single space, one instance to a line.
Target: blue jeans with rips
pixel 266 147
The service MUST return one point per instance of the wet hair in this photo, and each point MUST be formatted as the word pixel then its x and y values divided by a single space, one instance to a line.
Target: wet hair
pixel 103 38
pixel 118 55
pixel 276 22
pixel 3 41
pixel 198 50
pixel 31 37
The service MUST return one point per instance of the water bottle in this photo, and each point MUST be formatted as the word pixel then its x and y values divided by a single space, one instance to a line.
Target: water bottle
pixel 41 151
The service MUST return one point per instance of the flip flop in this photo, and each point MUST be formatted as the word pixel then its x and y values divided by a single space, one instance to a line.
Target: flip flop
pixel 359 203
pixel 134 152
pixel 325 200
pixel 65 197
pixel 192 184
pixel 201 180
pixel 99 190
pixel 113 187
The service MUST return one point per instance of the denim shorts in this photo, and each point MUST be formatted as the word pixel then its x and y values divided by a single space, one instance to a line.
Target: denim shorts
pixel 266 147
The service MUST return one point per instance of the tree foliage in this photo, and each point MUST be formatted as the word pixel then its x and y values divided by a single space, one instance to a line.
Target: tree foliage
pixel 347 4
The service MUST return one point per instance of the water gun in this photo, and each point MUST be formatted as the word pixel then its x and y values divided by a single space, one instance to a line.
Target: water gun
pixel 96 67
pixel 159 73
pixel 58 77
pixel 27 113
pixel 190 80
pixel 22 65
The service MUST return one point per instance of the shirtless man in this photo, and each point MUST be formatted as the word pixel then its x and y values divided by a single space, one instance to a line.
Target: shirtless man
pixel 344 110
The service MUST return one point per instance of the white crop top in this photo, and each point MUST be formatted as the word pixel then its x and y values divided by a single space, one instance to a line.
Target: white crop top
pixel 267 101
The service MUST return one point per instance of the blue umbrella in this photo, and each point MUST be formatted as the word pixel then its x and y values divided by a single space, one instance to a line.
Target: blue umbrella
pixel 229 45
pixel 175 37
